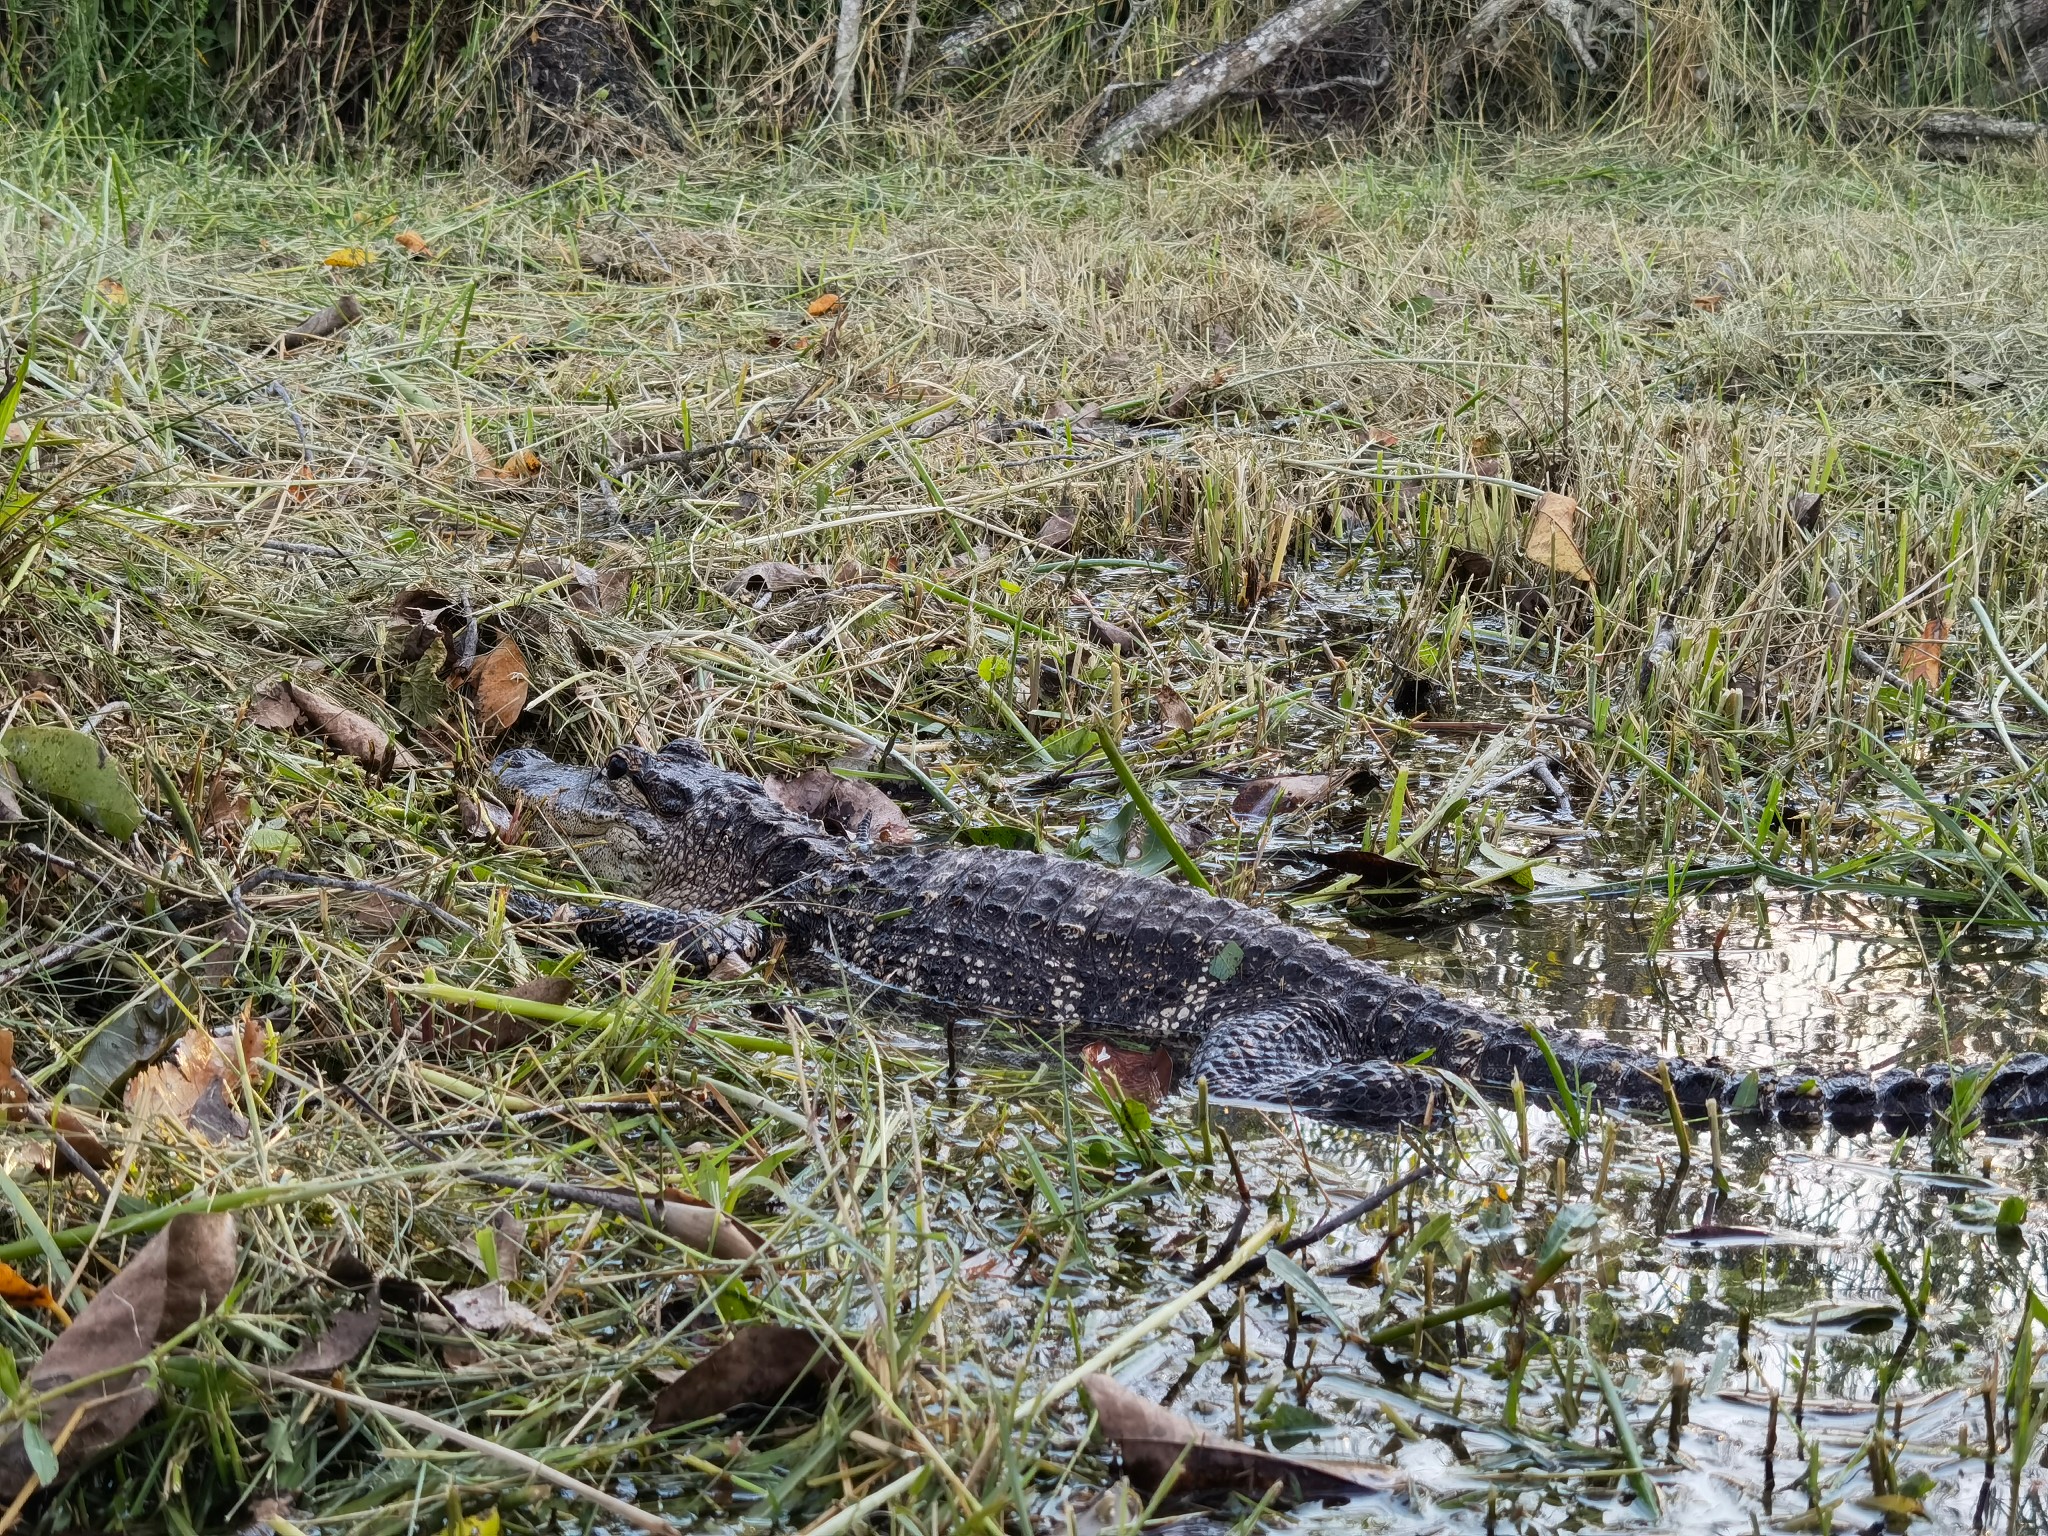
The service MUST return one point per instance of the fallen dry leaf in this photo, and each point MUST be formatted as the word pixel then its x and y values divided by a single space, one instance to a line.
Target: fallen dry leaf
pixel 349 733
pixel 347 258
pixel 348 1335
pixel 1146 1076
pixel 1550 537
pixel 1709 302
pixel 337 317
pixel 1806 508
pixel 770 576
pixel 1295 791
pixel 1057 531
pixel 518 468
pixel 179 1275
pixel 272 707
pixel 413 243
pixel 1113 636
pixel 18 1106
pixel 705 1227
pixel 489 1309
pixel 10 803
pixel 1174 713
pixel 113 293
pixel 17 1290
pixel 199 1087
pixel 1153 1439
pixel 762 1363
pixel 498 686
pixel 227 810
pixel 824 304
pixel 850 807
pixel 1920 660
pixel 492 1029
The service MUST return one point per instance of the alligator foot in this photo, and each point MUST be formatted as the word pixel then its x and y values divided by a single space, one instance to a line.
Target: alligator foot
pixel 703 943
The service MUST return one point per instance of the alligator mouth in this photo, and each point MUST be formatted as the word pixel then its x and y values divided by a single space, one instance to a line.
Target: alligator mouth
pixel 576 801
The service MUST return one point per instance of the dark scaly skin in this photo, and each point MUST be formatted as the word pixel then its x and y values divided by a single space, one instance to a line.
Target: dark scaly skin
pixel 1269 1013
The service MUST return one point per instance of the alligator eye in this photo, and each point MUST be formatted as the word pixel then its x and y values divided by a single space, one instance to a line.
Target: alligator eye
pixel 616 766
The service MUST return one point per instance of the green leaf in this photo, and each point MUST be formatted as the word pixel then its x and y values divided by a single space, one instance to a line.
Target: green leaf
pixel 1227 960
pixel 1302 1283
pixel 1745 1095
pixel 40 1454
pixel 2012 1211
pixel 73 772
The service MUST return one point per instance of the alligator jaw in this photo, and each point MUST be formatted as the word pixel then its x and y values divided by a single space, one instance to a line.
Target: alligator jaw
pixel 600 821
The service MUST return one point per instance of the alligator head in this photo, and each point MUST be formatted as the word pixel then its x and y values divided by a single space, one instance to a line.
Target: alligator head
pixel 670 826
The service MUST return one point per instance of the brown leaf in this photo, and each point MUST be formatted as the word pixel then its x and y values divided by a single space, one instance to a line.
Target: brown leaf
pixel 485 820
pixel 349 733
pixel 226 809
pixel 1142 1075
pixel 1113 636
pixel 347 1336
pixel 1806 508
pixel 1709 302
pixel 18 1106
pixel 706 1228
pixel 199 1087
pixel 10 804
pixel 1550 537
pixel 1152 1439
pixel 489 1309
pixel 762 1363
pixel 1920 660
pixel 1295 791
pixel 413 243
pixel 1057 531
pixel 498 686
pixel 850 807
pixel 185 1269
pixel 767 577
pixel 272 707
pixel 824 304
pixel 1174 713
pixel 337 317
pixel 492 1029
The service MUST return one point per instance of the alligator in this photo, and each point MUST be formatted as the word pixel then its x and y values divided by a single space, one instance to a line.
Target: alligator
pixel 1267 1012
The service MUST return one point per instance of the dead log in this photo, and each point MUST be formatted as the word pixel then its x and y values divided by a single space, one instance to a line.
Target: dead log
pixel 1212 77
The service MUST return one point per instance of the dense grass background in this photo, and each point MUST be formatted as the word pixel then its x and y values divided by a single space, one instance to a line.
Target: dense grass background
pixel 438 74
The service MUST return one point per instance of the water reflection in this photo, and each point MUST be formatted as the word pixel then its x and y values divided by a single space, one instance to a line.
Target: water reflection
pixel 1753 976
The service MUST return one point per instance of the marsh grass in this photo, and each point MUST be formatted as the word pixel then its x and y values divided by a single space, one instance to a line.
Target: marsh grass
pixel 1203 370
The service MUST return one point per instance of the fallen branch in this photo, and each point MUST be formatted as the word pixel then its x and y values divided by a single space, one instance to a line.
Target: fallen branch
pixel 1210 78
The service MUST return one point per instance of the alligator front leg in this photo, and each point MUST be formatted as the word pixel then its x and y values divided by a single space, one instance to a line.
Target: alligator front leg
pixel 702 942
pixel 1303 1058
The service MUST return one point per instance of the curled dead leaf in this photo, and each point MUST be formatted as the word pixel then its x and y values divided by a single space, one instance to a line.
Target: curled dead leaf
pixel 1174 714
pixel 348 1335
pixel 1155 1441
pixel 1146 1076
pixel 1551 537
pixel 706 1227
pixel 199 1088
pixel 413 243
pixel 767 577
pixel 498 686
pixel 492 1029
pixel 518 468
pixel 337 317
pixel 1920 660
pixel 824 304
pixel 1296 791
pixel 347 258
pixel 490 1309
pixel 112 293
pixel 17 1290
pixel 850 807
pixel 1057 531
pixel 762 1363
pixel 180 1274
pixel 349 733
